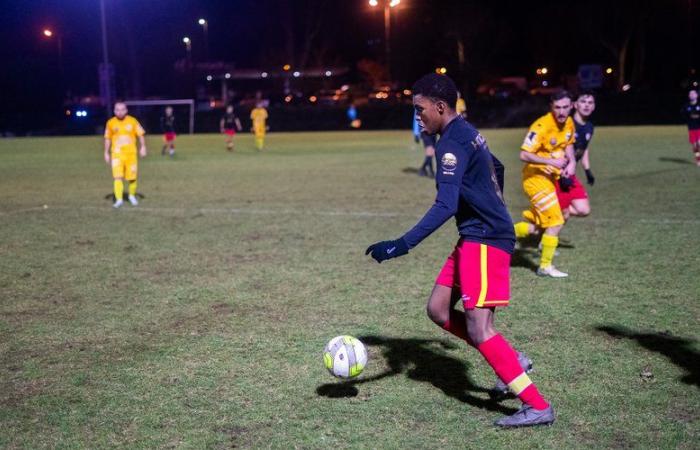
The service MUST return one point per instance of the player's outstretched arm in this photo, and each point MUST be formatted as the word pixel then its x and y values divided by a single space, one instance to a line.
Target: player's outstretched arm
pixel 108 142
pixel 445 206
pixel 586 163
pixel 143 150
pixel 570 168
pixel 238 124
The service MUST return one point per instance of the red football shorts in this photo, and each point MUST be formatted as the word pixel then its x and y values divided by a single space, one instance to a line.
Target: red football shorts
pixel 694 136
pixel 230 132
pixel 576 192
pixel 480 272
pixel 169 136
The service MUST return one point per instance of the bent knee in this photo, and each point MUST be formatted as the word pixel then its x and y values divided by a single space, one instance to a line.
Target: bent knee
pixel 582 211
pixel 437 315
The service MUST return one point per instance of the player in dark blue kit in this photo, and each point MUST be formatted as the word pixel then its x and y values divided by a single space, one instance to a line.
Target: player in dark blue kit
pixel 572 196
pixel 167 126
pixel 691 111
pixel 426 169
pixel 469 182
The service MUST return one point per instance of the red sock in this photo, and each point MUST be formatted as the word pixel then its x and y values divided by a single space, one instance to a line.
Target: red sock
pixel 457 325
pixel 504 360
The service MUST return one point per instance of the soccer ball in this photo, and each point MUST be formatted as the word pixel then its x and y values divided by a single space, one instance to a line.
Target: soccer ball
pixel 345 357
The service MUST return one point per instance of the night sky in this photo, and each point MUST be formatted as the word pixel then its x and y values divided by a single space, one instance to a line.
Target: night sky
pixel 500 39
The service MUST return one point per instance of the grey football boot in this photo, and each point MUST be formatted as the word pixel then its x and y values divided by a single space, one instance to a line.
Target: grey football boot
pixel 527 416
pixel 501 390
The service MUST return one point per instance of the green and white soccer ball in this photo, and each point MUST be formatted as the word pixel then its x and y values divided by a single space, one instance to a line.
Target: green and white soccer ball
pixel 345 357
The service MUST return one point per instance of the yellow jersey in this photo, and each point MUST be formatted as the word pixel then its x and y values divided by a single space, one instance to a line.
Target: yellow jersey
pixel 123 134
pixel 547 139
pixel 461 106
pixel 258 116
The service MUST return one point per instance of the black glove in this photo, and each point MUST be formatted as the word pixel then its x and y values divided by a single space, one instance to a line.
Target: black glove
pixel 381 251
pixel 565 184
pixel 589 177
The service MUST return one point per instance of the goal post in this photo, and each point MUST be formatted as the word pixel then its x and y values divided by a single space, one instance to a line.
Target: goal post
pixel 181 101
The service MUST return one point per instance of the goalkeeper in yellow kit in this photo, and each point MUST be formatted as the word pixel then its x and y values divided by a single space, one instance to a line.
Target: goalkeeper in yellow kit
pixel 548 154
pixel 259 117
pixel 121 133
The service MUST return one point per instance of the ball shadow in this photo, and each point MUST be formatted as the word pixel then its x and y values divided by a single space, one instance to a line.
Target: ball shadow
pixel 424 361
pixel 339 390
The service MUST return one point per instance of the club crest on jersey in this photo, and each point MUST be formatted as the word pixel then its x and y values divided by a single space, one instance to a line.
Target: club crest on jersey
pixel 568 136
pixel 553 141
pixel 530 139
pixel 128 127
pixel 449 163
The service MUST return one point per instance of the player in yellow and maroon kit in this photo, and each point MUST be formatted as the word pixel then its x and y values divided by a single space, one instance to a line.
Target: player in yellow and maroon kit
pixel 259 117
pixel 121 133
pixel 548 154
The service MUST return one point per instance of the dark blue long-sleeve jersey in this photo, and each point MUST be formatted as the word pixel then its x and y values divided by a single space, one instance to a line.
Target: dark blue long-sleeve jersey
pixel 469 184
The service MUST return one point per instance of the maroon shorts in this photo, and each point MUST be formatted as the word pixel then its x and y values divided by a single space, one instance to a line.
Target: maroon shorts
pixel 694 136
pixel 576 192
pixel 230 132
pixel 480 272
pixel 169 136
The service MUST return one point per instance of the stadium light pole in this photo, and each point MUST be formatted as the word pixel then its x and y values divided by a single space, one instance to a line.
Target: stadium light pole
pixel 188 46
pixel 388 4
pixel 50 34
pixel 105 73
pixel 205 27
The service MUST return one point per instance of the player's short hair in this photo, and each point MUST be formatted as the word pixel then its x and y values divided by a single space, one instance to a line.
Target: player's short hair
pixel 437 87
pixel 558 95
pixel 585 93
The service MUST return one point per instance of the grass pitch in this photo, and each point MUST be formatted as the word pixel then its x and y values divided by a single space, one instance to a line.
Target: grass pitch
pixel 197 319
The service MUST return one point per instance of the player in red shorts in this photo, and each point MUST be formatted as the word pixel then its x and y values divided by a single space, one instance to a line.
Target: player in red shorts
pixel 469 182
pixel 167 126
pixel 692 117
pixel 229 124
pixel 572 196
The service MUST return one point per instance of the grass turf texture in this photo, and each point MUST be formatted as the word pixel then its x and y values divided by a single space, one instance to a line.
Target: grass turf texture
pixel 198 318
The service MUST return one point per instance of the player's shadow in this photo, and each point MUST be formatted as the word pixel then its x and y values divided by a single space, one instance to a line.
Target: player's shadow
pixel 679 350
pixel 422 360
pixel 411 170
pixel 112 198
pixel 528 254
pixel 525 257
pixel 675 160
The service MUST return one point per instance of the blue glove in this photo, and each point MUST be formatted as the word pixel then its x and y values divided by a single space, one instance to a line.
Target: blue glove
pixel 381 251
pixel 589 177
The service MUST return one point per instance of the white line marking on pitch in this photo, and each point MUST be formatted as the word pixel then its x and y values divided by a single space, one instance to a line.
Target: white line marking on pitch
pixel 301 211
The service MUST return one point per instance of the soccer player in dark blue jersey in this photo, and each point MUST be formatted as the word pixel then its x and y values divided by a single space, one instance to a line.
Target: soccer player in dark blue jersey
pixel 572 196
pixel 691 111
pixel 426 169
pixel 167 126
pixel 469 182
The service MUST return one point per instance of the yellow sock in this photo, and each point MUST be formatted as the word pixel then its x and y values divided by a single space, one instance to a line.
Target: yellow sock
pixel 522 229
pixel 259 142
pixel 132 187
pixel 118 189
pixel 549 246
